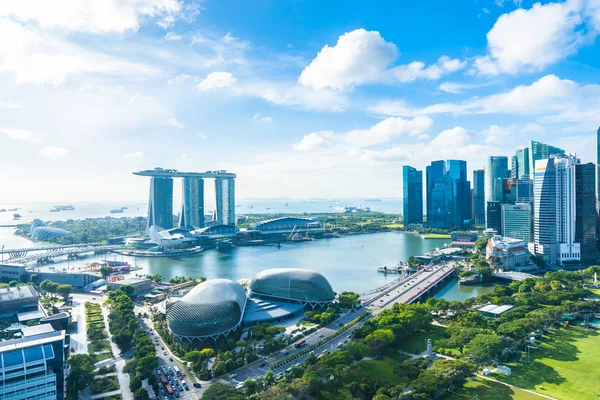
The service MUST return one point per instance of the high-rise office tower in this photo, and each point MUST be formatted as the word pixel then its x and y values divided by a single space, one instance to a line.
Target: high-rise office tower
pixel 412 195
pixel 509 193
pixel 520 165
pixel 514 167
pixel 554 215
pixel 432 173
pixel 524 192
pixel 540 151
pixel 192 203
pixel 442 203
pixel 493 212
pixel 33 367
pixel 225 194
pixel 598 170
pixel 478 197
pixel 516 221
pixel 495 171
pixel 585 211
pixel 160 204
pixel 457 170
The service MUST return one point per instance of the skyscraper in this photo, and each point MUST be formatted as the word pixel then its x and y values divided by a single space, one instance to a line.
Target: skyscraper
pixel 493 212
pixel 541 151
pixel 585 211
pixel 516 221
pixel 160 204
pixel 598 170
pixel 442 203
pixel 457 170
pixel 524 190
pixel 192 203
pixel 433 172
pixel 225 194
pixel 495 171
pixel 412 195
pixel 514 167
pixel 554 215
pixel 478 197
pixel 521 166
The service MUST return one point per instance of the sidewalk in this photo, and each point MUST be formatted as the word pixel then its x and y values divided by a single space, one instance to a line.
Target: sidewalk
pixel 122 377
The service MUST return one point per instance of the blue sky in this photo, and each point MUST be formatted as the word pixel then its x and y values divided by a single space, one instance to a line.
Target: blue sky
pixel 299 98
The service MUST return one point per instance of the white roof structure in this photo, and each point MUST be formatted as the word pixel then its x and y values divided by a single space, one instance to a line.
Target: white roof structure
pixel 494 309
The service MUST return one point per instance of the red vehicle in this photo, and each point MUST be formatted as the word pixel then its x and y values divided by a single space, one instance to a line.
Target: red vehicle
pixel 168 389
pixel 300 343
pixel 320 356
pixel 164 380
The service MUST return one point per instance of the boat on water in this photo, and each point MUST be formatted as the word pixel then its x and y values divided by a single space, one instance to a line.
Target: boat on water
pixel 348 210
pixel 116 211
pixel 124 208
pixel 54 210
pixel 16 216
pixel 64 208
pixel 12 209
pixel 373 200
pixel 3 210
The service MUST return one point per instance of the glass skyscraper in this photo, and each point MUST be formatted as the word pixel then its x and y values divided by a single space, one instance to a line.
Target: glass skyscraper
pixel 457 170
pixel 478 197
pixel 541 151
pixel 585 211
pixel 433 172
pixel 520 164
pixel 496 171
pixel 192 203
pixel 160 204
pixel 598 170
pixel 516 221
pixel 225 194
pixel 493 212
pixel 412 195
pixel 442 203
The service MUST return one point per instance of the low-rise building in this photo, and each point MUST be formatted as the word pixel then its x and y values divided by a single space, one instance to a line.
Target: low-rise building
pixel 464 239
pixel 510 251
pixel 18 299
pixel 140 285
pixel 494 311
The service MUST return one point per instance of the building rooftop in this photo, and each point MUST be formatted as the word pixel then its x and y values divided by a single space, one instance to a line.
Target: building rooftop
pixel 130 281
pixel 173 173
pixel 258 310
pixel 17 293
pixel 36 330
pixel 494 309
pixel 29 315
pixel 21 343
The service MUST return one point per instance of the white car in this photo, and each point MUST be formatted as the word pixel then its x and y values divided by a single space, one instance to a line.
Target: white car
pixel 233 375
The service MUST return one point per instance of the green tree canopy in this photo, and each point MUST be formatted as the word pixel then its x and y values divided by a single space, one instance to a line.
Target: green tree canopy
pixel 81 372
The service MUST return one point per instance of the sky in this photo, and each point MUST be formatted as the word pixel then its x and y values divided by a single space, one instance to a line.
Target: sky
pixel 301 99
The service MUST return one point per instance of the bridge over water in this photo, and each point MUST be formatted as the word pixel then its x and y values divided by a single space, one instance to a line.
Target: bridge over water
pixel 43 254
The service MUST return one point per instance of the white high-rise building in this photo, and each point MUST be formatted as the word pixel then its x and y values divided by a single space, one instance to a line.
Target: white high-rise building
pixel 554 212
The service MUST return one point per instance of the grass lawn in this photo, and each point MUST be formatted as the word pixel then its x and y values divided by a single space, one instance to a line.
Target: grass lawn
pixel 393 226
pixel 417 343
pixel 100 345
pixel 95 318
pixel 102 356
pixel 104 385
pixel 596 291
pixel 437 236
pixel 566 363
pixel 383 368
pixel 482 389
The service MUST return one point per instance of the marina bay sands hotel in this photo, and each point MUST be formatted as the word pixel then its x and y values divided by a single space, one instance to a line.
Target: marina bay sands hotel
pixel 160 204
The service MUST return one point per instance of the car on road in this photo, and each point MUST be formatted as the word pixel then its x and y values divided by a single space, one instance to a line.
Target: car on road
pixel 262 364
pixel 164 353
pixel 321 335
pixel 197 385
pixel 233 375
pixel 171 359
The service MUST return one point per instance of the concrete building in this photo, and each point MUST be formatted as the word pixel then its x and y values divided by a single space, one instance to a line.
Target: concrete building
pixel 516 221
pixel 192 203
pixel 12 272
pixel 585 211
pixel 511 252
pixel 464 239
pixel 160 203
pixel 479 197
pixel 412 195
pixel 33 367
pixel 140 285
pixel 18 299
pixel 554 210
pixel 75 279
pixel 494 311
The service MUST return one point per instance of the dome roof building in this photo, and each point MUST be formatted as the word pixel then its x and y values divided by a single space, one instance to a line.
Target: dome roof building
pixel 292 284
pixel 39 230
pixel 211 309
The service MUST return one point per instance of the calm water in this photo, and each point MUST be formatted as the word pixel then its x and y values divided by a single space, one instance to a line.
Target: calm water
pixel 349 263
pixel 453 291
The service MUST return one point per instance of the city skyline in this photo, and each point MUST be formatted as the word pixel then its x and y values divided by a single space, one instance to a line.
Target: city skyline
pixel 290 99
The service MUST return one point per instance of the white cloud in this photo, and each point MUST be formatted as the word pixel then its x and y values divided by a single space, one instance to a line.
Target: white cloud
pixel 20 134
pixel 258 119
pixel 172 36
pixel 173 121
pixel 54 152
pixel 309 142
pixel 10 104
pixel 549 95
pixel 495 134
pixel 93 16
pixel 229 38
pixel 217 80
pixel 459 87
pixel 457 136
pixel 186 157
pixel 385 130
pixel 530 40
pixel 361 57
pixel 33 56
pixel 135 154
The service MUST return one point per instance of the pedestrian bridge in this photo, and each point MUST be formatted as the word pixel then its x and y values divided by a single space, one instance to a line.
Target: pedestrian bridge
pixel 513 275
pixel 43 254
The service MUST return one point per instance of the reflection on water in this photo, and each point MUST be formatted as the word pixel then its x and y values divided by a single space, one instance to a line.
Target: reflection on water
pixel 453 291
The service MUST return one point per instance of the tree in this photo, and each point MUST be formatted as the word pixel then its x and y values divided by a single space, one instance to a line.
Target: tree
pixel 12 283
pixel 461 336
pixel 105 271
pixel 269 378
pixel 484 270
pixel 251 387
pixel 555 285
pixel 348 299
pixel 141 394
pixel 220 391
pixel 128 290
pixel 541 287
pixel 486 347
pixel 81 373
pixel 380 339
pixel 64 291
pixel 146 365
pixel 135 383
pixel 481 243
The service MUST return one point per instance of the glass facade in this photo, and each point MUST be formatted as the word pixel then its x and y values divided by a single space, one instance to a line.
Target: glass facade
pixel 433 172
pixel 211 309
pixel 299 285
pixel 493 214
pixel 516 221
pixel 598 169
pixel 495 171
pixel 457 170
pixel 160 204
pixel 442 203
pixel 479 197
pixel 412 195
pixel 585 211
pixel 520 165
pixel 225 195
pixel 541 151
pixel 192 203
pixel 544 189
